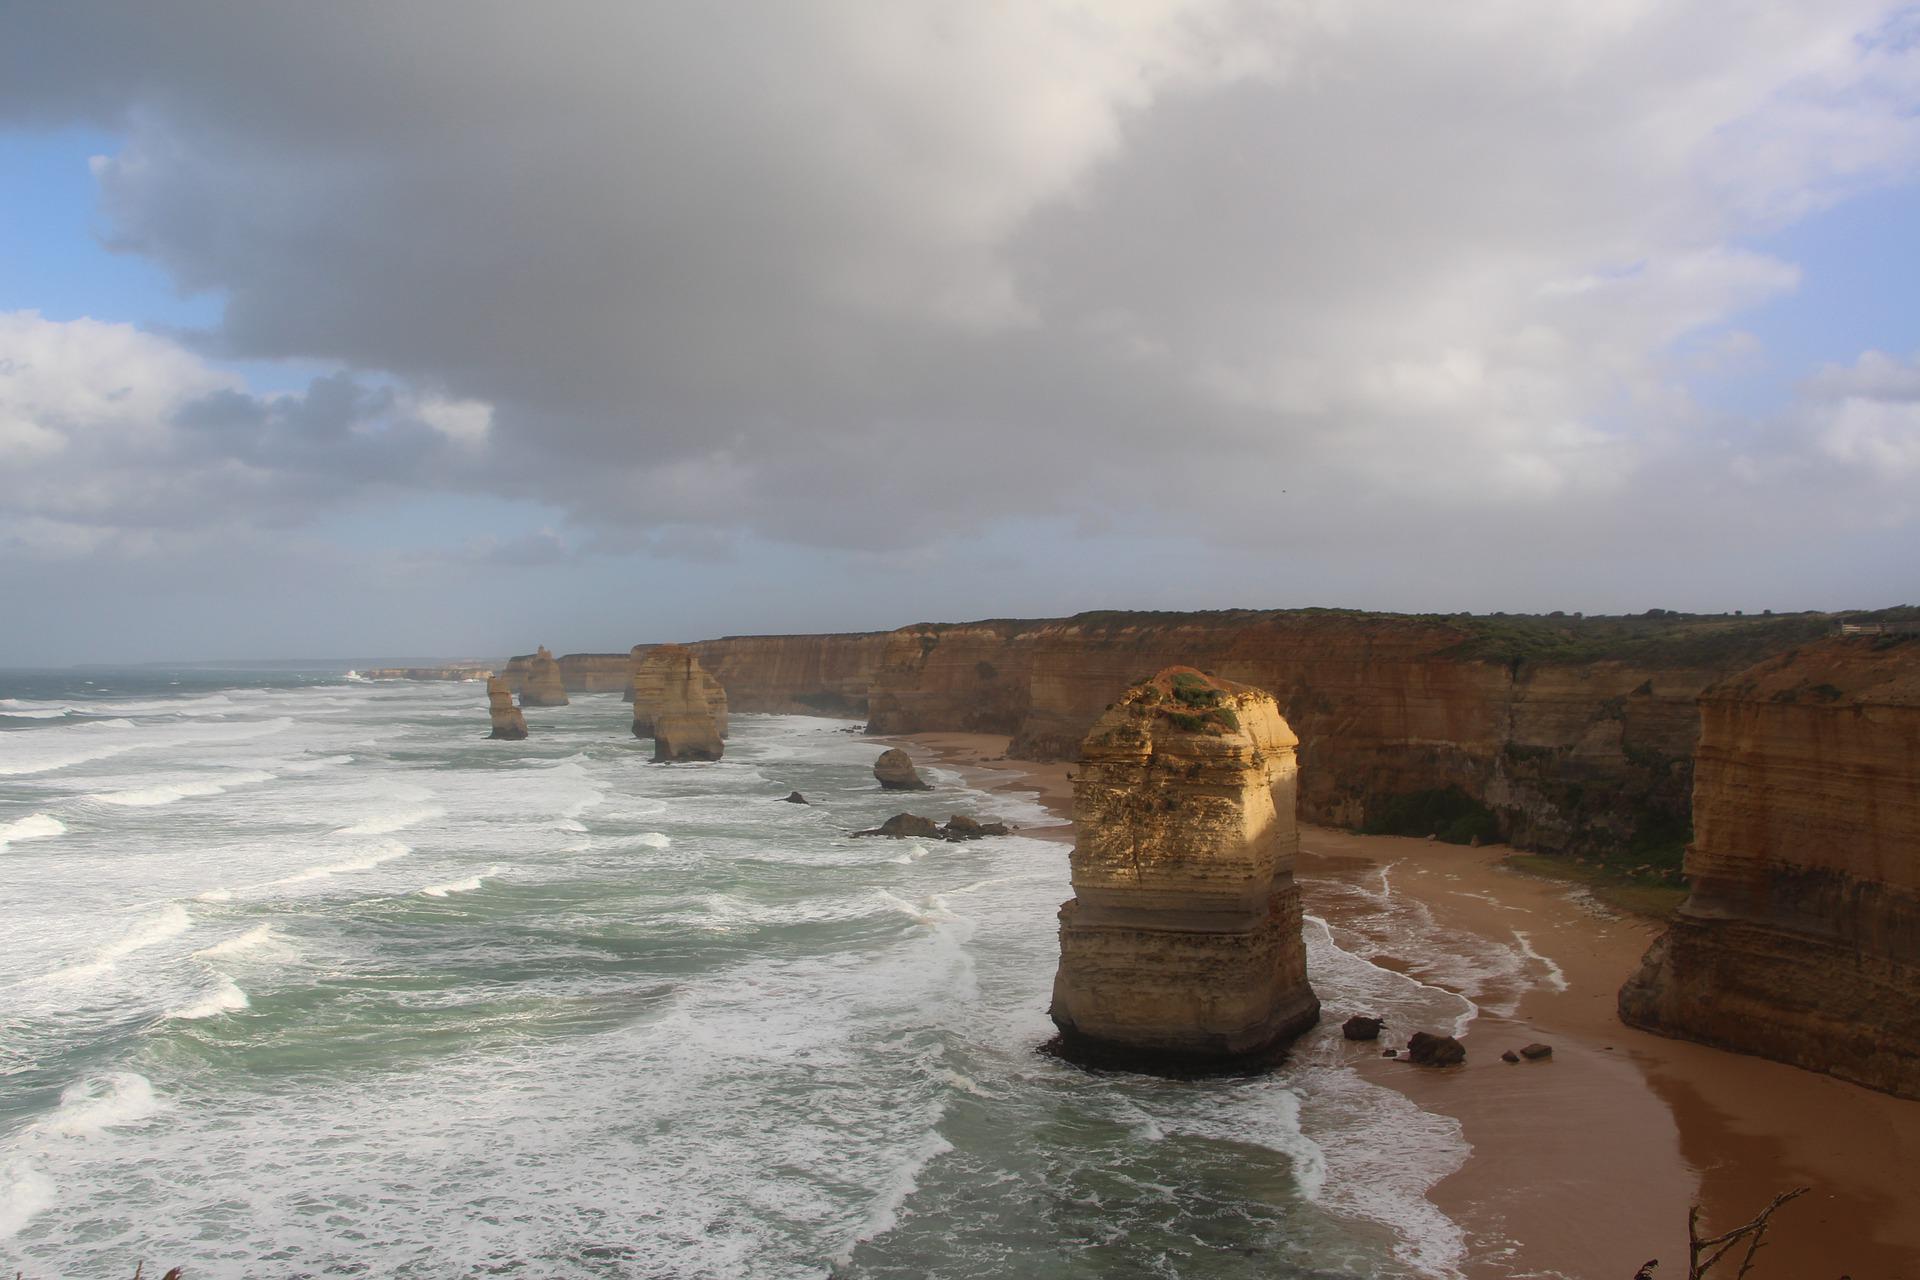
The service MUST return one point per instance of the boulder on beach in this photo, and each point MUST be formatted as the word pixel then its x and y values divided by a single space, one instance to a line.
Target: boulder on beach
pixel 1535 1052
pixel 1362 1027
pixel 1427 1050
pixel 961 827
pixel 1509 1056
pixel 895 772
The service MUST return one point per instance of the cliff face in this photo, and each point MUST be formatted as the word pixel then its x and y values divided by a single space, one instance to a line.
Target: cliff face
pixel 796 675
pixel 973 678
pixel 1181 945
pixel 1800 940
pixel 665 675
pixel 507 720
pixel 684 723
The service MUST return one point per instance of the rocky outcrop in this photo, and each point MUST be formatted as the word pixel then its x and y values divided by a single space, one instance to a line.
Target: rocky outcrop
pixel 681 708
pixel 657 674
pixel 1181 947
pixel 542 685
pixel 1800 939
pixel 1424 1049
pixel 895 772
pixel 508 723
pixel 959 828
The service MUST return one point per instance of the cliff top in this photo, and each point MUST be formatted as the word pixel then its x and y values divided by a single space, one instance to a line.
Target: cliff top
pixel 1871 670
pixel 1193 702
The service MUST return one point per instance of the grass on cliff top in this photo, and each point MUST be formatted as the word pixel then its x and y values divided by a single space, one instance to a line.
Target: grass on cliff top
pixel 1665 637
pixel 1609 885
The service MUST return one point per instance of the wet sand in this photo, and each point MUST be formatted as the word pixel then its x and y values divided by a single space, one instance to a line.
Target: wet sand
pixel 1584 1165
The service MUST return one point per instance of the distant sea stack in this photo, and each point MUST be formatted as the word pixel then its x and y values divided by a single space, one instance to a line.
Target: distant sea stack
pixel 654 670
pixel 685 724
pixel 508 723
pixel 1181 948
pixel 1800 940
pixel 543 686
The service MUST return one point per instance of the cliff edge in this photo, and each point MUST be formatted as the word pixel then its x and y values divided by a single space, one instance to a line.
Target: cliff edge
pixel 1800 939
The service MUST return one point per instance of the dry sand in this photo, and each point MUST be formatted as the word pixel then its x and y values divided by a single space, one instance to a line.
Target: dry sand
pixel 1584 1165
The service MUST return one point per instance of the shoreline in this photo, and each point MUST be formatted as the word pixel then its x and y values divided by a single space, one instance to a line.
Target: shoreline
pixel 1583 1165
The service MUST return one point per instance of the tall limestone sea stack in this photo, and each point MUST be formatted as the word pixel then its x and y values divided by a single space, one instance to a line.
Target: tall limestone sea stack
pixel 685 706
pixel 543 686
pixel 1800 939
pixel 1181 948
pixel 508 723
pixel 656 668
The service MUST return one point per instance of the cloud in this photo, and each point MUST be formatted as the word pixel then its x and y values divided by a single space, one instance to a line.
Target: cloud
pixel 124 442
pixel 870 277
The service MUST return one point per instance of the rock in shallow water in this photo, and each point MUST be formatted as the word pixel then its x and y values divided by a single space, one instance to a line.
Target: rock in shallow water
pixel 1362 1027
pixel 895 772
pixel 1428 1050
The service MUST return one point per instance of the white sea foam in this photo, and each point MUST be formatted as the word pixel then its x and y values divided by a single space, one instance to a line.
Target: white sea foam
pixel 170 922
pixel 215 895
pixel 384 851
pixel 311 766
pixel 99 1103
pixel 35 826
pixel 1556 977
pixel 461 886
pixel 884 1214
pixel 914 852
pixel 24 1191
pixel 168 792
pixel 654 840
pixel 253 939
pixel 387 823
pixel 226 997
pixel 45 750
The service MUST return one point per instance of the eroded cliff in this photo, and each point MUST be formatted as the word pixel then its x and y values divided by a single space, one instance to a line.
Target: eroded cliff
pixel 540 683
pixel 1800 939
pixel 688 708
pixel 662 678
pixel 506 719
pixel 1181 945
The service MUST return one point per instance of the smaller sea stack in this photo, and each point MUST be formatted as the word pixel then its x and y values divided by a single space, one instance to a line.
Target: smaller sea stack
pixel 895 772
pixel 1181 948
pixel 543 686
pixel 508 723
pixel 685 725
pixel 652 669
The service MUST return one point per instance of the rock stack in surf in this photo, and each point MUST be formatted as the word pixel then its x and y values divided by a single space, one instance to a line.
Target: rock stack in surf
pixel 508 723
pixel 543 686
pixel 654 669
pixel 683 706
pixel 1181 948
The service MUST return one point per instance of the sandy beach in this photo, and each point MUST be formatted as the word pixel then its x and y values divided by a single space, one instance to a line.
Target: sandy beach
pixel 1583 1165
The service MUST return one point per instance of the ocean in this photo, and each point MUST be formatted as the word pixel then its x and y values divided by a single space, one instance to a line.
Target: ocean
pixel 304 976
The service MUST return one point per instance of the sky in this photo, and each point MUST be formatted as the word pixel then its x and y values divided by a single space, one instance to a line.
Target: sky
pixel 452 329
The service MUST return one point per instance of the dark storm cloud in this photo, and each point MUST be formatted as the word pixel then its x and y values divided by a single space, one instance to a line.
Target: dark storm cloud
pixel 865 275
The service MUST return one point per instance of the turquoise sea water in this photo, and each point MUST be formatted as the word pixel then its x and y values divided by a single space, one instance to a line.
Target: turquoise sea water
pixel 305 977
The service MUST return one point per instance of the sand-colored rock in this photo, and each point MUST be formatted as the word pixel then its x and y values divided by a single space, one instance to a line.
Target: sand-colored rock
pixel 685 707
pixel 1800 939
pixel 1181 946
pixel 542 686
pixel 656 675
pixel 508 723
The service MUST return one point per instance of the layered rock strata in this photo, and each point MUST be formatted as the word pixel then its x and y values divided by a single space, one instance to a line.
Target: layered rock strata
pixel 683 721
pixel 657 673
pixel 1800 939
pixel 542 685
pixel 1181 947
pixel 508 722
